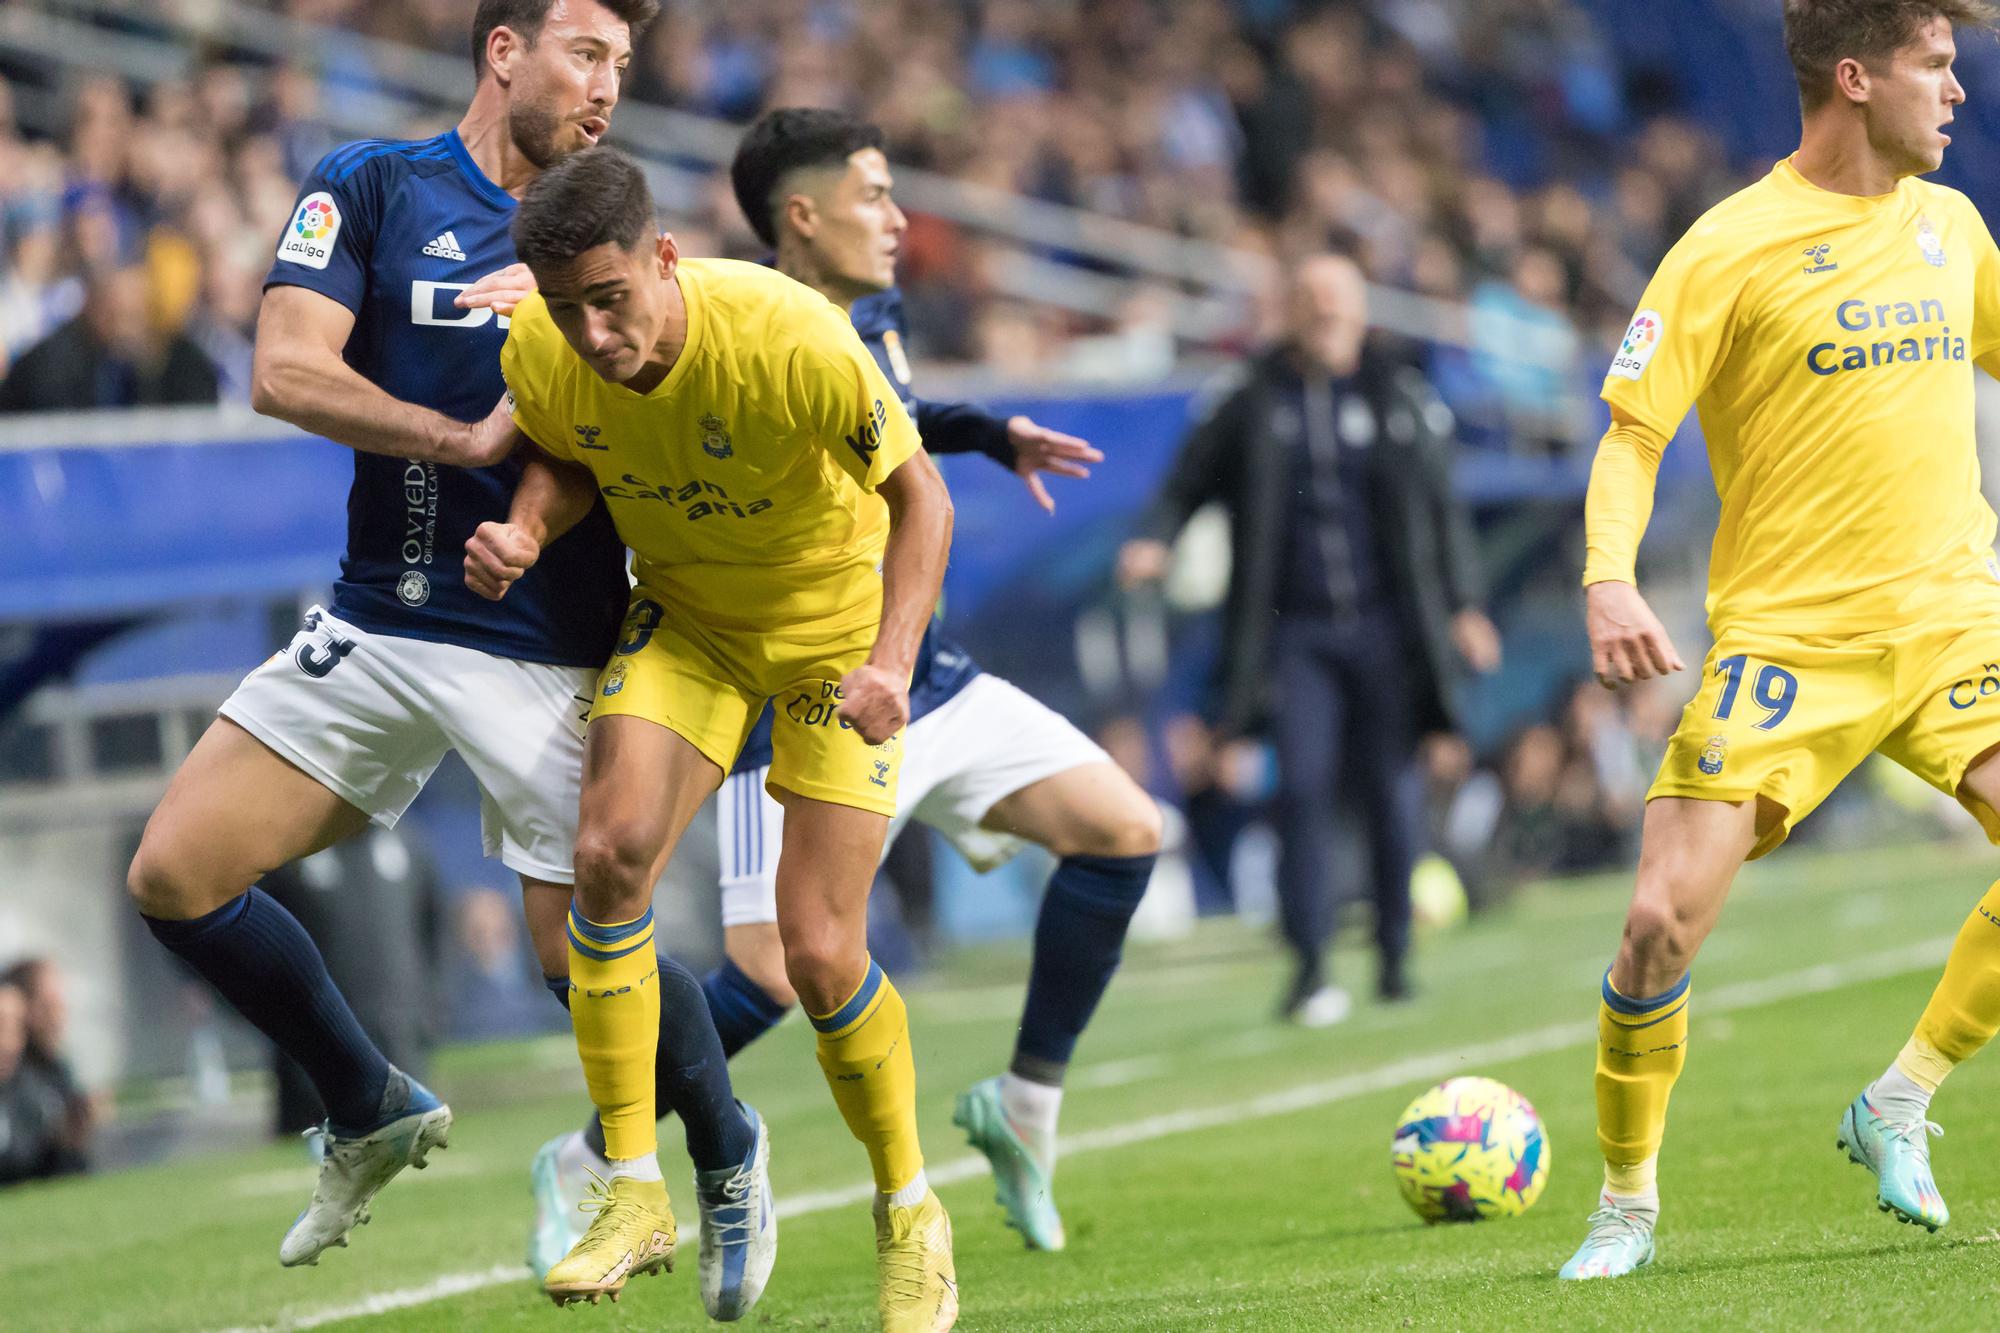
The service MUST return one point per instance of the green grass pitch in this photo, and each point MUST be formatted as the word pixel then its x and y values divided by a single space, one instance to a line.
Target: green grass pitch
pixel 1223 1172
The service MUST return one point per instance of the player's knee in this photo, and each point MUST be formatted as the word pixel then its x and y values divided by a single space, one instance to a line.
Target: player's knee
pixel 613 870
pixel 1132 828
pixel 164 885
pixel 824 968
pixel 1657 937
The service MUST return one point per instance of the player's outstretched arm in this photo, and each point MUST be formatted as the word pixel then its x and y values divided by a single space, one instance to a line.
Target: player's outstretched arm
pixel 298 375
pixel 551 498
pixel 1627 641
pixel 1018 443
pixel 876 694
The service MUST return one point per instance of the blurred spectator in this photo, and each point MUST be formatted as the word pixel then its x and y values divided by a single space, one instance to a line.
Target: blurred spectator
pixel 493 987
pixel 113 354
pixel 46 1119
pixel 1352 606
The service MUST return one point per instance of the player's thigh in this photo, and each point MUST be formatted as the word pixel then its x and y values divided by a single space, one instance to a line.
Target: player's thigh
pixel 1952 737
pixel 233 811
pixel 642 784
pixel 824 874
pixel 519 726
pixel 1780 721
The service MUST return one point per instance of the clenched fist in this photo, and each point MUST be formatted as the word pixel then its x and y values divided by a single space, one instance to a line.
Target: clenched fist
pixel 874 702
pixel 497 555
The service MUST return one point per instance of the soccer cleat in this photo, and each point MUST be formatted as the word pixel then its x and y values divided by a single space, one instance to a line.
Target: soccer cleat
pixel 1899 1153
pixel 739 1229
pixel 353 1167
pixel 1619 1243
pixel 632 1233
pixel 919 1286
pixel 1321 1008
pixel 560 1181
pixel 1020 1186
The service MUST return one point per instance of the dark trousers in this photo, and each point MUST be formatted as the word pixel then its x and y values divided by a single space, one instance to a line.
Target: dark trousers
pixel 1345 740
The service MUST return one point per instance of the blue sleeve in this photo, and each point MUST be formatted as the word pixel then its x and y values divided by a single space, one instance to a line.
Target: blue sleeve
pixel 329 240
pixel 963 428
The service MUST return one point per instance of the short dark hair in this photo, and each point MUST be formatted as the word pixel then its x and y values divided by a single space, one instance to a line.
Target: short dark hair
pixel 782 141
pixel 1819 34
pixel 526 17
pixel 592 198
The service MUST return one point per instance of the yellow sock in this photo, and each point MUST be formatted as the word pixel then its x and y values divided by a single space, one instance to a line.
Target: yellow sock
pixel 864 1047
pixel 614 1005
pixel 1641 1046
pixel 1964 1011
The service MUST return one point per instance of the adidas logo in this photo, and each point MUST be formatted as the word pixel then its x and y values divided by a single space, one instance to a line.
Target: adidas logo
pixel 445 247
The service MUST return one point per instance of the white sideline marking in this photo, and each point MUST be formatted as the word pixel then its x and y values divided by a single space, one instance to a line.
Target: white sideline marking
pixel 1417 1069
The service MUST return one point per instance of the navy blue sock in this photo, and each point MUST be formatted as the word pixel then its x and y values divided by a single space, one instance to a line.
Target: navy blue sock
pixel 1078 938
pixel 558 987
pixel 743 1012
pixel 262 961
pixel 692 1073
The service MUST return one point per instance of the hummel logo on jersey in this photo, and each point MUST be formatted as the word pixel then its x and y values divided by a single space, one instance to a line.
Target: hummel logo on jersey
pixel 586 437
pixel 1816 258
pixel 445 247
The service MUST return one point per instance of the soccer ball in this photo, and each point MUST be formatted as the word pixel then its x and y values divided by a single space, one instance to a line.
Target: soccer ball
pixel 1468 1150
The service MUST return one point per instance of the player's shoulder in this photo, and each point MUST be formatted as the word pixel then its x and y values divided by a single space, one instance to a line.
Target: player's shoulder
pixel 741 292
pixel 535 348
pixel 1937 197
pixel 1736 222
pixel 371 161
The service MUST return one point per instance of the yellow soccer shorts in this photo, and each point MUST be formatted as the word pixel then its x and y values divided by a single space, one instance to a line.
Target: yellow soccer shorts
pixel 708 685
pixel 1788 716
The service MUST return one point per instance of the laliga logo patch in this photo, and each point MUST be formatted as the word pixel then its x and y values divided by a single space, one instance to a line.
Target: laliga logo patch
pixel 314 228
pixel 413 588
pixel 1712 755
pixel 1928 242
pixel 1642 336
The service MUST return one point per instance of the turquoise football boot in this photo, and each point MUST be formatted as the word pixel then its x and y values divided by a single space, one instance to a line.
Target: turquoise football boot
pixel 1619 1243
pixel 1020 1186
pixel 1899 1153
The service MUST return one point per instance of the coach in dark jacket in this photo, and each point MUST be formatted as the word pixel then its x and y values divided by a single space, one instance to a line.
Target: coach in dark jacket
pixel 1352 609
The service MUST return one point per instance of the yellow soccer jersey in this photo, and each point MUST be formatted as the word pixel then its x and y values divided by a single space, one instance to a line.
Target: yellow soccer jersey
pixel 745 480
pixel 1828 343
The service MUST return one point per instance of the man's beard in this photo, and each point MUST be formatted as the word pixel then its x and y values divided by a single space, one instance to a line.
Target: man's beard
pixel 533 130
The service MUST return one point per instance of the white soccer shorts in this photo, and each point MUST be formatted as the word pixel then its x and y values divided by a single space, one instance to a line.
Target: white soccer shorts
pixel 987 742
pixel 372 715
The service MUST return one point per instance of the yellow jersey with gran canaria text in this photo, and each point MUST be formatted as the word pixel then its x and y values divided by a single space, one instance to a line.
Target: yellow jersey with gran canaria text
pixel 745 481
pixel 1827 342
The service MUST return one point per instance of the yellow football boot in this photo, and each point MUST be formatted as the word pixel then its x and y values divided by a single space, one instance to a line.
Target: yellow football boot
pixel 919 1286
pixel 633 1233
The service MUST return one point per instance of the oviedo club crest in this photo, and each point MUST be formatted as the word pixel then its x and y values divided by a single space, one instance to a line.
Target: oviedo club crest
pixel 714 437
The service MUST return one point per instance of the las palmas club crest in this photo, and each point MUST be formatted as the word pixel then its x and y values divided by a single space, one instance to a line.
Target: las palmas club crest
pixel 714 437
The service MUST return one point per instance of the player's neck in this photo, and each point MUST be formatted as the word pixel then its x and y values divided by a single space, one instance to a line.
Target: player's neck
pixel 667 348
pixel 1836 157
pixel 490 146
pixel 797 263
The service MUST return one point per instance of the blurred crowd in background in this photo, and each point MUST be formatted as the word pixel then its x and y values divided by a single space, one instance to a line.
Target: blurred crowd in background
pixel 1418 129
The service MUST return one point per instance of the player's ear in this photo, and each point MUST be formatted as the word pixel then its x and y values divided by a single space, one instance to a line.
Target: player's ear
pixel 1850 80
pixel 503 50
pixel 802 215
pixel 670 254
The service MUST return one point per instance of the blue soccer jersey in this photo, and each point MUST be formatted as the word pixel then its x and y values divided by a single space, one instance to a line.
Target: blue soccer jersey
pixel 394 231
pixel 943 667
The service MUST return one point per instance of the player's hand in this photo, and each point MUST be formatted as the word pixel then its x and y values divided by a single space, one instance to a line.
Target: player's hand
pixel 1627 641
pixel 1143 560
pixel 486 442
pixel 1477 641
pixel 499 292
pixel 874 702
pixel 496 556
pixel 1037 449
